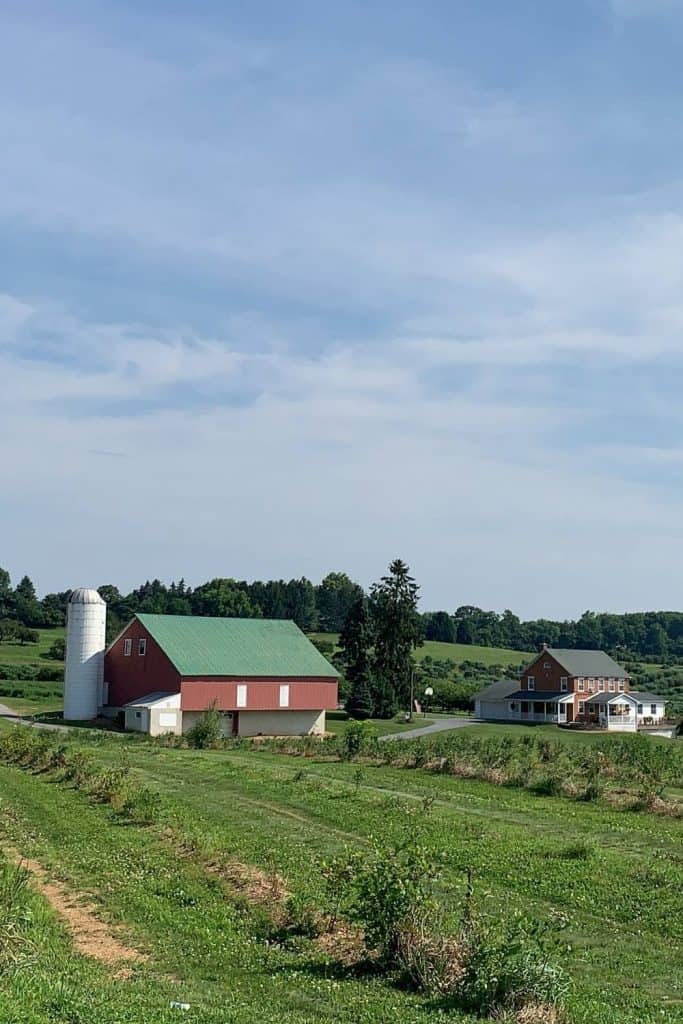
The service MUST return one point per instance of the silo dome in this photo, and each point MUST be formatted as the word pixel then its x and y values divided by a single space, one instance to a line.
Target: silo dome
pixel 82 595
pixel 84 663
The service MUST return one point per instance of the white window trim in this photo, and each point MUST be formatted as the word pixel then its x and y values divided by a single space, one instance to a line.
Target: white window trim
pixel 241 698
pixel 284 695
pixel 127 647
pixel 530 682
pixel 621 686
pixel 580 685
pixel 601 685
pixel 582 707
pixel 142 646
pixel 564 684
pixel 612 688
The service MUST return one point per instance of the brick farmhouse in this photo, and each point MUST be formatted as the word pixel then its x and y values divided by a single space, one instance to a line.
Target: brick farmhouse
pixel 565 687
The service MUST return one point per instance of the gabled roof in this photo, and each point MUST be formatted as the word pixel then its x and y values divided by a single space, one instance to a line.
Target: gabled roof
pixel 203 646
pixel 591 664
pixel 498 691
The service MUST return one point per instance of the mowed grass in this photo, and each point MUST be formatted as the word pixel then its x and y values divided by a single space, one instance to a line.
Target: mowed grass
pixel 12 653
pixel 454 652
pixel 338 721
pixel 613 879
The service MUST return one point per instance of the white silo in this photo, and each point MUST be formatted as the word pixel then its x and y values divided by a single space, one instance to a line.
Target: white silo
pixel 85 641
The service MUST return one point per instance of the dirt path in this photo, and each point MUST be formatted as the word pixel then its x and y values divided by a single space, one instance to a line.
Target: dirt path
pixel 91 936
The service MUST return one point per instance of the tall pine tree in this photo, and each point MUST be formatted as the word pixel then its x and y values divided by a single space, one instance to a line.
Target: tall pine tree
pixel 356 642
pixel 397 628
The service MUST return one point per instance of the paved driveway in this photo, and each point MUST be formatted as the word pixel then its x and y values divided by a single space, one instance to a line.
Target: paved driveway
pixel 442 725
pixel 11 716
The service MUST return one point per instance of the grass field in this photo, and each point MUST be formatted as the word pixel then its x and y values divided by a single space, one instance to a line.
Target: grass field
pixel 31 654
pixel 455 652
pixel 612 878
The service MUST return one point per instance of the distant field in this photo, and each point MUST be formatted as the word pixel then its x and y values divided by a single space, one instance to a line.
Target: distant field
pixel 31 654
pixel 455 652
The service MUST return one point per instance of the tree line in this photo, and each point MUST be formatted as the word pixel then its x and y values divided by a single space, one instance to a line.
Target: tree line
pixel 325 606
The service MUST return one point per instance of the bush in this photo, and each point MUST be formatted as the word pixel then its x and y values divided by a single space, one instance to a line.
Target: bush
pixel 353 740
pixel 206 732
pixel 385 889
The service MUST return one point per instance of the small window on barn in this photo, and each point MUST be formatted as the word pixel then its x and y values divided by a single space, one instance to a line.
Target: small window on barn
pixel 127 648
pixel 284 696
pixel 530 683
pixel 564 683
pixel 142 647
pixel 241 695
pixel 138 714
pixel 546 664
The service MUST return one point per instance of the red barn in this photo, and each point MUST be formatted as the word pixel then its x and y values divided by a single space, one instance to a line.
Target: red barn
pixel 264 675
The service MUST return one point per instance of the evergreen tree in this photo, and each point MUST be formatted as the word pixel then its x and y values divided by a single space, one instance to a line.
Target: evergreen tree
pixel 397 628
pixel 356 642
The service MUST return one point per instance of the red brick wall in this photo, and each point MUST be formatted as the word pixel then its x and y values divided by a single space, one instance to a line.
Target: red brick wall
pixel 263 694
pixel 546 678
pixel 136 675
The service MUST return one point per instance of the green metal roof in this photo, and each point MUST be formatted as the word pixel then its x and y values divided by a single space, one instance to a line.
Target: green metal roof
pixel 203 646
pixel 589 664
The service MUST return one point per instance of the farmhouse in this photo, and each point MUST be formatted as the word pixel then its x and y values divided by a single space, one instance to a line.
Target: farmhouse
pixel 564 686
pixel 264 676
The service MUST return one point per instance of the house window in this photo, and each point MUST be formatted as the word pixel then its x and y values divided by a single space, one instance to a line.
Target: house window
pixel 564 684
pixel 241 695
pixel 142 647
pixel 138 714
pixel 611 686
pixel 580 686
pixel 546 664
pixel 530 683
pixel 601 685
pixel 127 648
pixel 602 709
pixel 591 686
pixel 653 709
pixel 284 696
pixel 582 707
pixel 640 709
pixel 621 686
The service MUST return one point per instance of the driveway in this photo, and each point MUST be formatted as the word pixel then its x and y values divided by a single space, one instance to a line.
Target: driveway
pixel 11 716
pixel 442 725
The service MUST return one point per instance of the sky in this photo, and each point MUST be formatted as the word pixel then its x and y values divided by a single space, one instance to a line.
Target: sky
pixel 294 288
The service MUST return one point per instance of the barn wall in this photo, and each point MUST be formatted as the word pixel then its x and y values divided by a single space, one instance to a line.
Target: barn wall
pixel 135 675
pixel 262 694
pixel 281 723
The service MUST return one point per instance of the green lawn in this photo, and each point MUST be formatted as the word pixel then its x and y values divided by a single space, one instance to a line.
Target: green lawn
pixel 31 654
pixel 337 722
pixel 620 897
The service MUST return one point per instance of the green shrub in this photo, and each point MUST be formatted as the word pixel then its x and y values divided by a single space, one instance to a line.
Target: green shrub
pixel 206 732
pixel 353 740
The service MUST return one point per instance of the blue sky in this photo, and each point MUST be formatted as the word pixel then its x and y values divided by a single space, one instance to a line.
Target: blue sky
pixel 289 288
